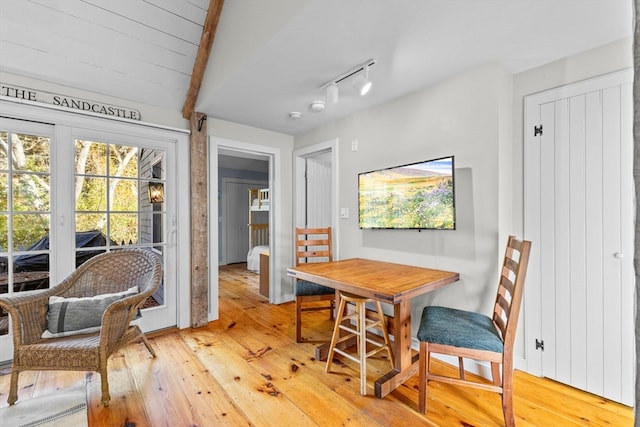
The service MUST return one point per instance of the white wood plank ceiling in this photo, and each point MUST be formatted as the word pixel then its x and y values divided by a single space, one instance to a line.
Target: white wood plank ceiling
pixel 131 49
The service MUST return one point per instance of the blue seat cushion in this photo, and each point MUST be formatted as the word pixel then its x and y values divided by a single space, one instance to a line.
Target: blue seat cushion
pixel 306 288
pixel 459 328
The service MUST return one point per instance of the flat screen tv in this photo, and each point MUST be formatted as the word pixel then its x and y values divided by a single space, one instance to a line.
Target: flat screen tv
pixel 417 196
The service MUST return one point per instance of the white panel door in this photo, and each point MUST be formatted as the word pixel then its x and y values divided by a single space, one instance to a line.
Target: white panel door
pixel 318 180
pixel 236 217
pixel 579 214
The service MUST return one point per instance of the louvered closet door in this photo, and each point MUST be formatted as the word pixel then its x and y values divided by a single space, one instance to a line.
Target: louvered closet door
pixel 579 214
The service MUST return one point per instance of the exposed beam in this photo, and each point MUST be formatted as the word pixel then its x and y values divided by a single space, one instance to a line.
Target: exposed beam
pixel 199 221
pixel 200 64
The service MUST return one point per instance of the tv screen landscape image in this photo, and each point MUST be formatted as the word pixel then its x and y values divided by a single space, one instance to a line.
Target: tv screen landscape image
pixel 414 196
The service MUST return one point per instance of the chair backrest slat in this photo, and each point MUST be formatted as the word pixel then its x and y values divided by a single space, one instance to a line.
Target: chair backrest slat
pixel 507 284
pixel 510 288
pixel 313 245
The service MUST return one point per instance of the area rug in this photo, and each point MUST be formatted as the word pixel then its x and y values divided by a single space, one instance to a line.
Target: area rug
pixel 65 408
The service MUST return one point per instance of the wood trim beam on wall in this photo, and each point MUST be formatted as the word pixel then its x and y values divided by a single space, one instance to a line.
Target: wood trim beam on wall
pixel 199 221
pixel 202 57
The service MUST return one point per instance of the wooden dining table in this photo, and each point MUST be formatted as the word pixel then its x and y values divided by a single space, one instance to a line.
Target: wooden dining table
pixel 387 282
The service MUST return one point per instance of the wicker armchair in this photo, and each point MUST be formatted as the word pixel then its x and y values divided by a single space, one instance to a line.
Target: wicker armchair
pixel 110 272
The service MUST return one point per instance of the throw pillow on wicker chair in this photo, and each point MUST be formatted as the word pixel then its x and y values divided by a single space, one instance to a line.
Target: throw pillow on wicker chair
pixel 73 316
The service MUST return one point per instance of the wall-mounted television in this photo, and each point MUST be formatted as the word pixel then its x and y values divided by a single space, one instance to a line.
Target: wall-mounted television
pixel 419 196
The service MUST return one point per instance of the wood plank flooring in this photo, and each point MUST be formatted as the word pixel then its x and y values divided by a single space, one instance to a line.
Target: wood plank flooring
pixel 247 369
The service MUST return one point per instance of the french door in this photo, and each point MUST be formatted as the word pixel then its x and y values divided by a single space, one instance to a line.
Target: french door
pixel 68 193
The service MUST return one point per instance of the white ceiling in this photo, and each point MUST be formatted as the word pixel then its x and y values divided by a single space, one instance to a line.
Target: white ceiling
pixel 271 57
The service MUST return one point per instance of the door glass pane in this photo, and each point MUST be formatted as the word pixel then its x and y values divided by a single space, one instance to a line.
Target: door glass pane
pixel 114 200
pixel 4 137
pixel 91 193
pixel 25 214
pixel 28 230
pixel 30 192
pixel 124 228
pixel 125 195
pixel 4 191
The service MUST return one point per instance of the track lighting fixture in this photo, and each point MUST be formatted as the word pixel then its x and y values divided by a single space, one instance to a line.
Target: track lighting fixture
pixel 360 81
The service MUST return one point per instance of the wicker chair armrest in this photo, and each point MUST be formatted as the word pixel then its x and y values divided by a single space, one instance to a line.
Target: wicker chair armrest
pixel 28 313
pixel 117 318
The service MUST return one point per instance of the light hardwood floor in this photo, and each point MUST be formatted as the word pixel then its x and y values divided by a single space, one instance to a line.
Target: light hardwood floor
pixel 246 369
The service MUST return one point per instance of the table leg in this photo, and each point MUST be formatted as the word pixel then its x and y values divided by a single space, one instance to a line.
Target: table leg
pixel 406 365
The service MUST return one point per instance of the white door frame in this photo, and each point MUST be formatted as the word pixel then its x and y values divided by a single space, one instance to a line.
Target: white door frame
pixel 275 221
pixel 299 157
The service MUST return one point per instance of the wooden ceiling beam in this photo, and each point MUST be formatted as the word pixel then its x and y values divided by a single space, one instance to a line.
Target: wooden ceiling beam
pixel 200 64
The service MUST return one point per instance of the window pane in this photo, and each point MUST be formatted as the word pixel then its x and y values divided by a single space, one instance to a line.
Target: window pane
pixel 4 191
pixel 125 195
pixel 30 192
pixel 4 143
pixel 123 161
pixel 92 194
pixel 89 244
pixel 4 234
pixel 91 158
pixel 30 152
pixel 124 228
pixel 157 228
pixel 31 271
pixel 90 222
pixel 29 229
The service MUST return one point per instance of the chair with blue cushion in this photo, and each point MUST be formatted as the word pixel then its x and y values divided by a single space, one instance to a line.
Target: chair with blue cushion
pixel 312 245
pixel 470 335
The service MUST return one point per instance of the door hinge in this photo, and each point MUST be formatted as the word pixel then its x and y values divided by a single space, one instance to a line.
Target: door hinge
pixel 539 344
pixel 537 130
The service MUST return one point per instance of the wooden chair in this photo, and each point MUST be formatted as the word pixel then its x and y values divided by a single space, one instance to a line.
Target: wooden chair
pixel 312 245
pixel 475 336
pixel 107 273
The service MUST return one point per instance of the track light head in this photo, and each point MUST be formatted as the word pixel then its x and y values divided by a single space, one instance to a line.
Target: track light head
pixel 332 93
pixel 361 82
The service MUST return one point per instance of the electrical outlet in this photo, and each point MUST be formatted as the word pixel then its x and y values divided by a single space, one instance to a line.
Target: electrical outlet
pixel 354 145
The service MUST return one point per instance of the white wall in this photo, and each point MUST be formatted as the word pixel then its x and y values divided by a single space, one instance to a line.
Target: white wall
pixel 464 116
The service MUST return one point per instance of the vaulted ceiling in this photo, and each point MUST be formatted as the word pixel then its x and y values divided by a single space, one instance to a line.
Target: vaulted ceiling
pixel 270 58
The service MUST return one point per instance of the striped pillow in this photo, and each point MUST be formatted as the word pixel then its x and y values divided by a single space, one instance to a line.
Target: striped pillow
pixel 72 316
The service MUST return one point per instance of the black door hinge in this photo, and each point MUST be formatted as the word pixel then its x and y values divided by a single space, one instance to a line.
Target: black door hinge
pixel 537 130
pixel 539 344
